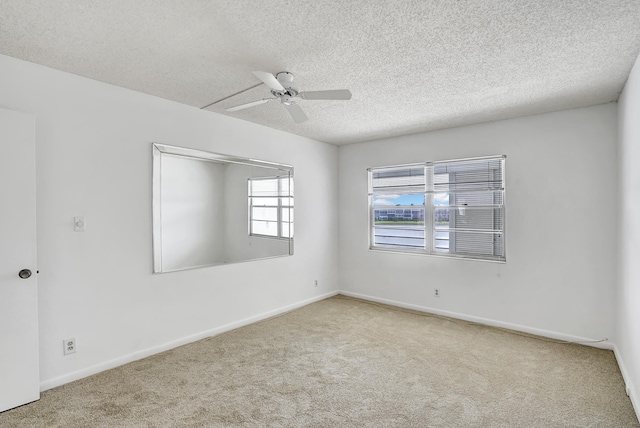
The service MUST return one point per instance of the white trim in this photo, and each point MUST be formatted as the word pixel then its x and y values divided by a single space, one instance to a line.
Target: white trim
pixel 70 377
pixel 486 321
pixel 629 387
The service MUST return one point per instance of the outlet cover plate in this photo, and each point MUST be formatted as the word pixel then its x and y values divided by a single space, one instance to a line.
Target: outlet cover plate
pixel 70 346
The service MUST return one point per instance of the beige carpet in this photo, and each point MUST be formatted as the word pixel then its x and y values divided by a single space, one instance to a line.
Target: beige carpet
pixel 347 363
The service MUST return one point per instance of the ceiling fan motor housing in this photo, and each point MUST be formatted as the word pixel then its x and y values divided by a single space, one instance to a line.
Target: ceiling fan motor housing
pixel 286 79
pixel 286 99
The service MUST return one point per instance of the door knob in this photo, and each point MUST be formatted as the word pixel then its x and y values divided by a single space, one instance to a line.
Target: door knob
pixel 24 273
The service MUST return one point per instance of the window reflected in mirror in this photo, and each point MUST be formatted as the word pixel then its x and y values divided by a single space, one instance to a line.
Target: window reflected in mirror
pixel 271 207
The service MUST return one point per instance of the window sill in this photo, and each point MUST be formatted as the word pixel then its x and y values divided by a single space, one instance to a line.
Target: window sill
pixel 442 256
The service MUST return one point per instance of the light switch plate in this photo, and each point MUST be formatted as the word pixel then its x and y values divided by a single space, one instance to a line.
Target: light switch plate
pixel 79 224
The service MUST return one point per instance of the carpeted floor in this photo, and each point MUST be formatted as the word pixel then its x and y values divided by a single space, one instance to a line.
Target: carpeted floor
pixel 343 362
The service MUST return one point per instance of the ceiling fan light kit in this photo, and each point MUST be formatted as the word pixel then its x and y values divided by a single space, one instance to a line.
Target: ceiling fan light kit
pixel 283 88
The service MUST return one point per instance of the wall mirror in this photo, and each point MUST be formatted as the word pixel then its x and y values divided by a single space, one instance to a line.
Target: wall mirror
pixel 212 209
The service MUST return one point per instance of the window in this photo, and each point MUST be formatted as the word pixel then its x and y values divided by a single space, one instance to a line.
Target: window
pixel 271 207
pixel 450 208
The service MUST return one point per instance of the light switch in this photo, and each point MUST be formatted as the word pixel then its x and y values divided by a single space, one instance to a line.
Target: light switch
pixel 79 224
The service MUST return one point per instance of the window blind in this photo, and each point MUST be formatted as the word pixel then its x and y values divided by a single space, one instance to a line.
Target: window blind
pixel 453 208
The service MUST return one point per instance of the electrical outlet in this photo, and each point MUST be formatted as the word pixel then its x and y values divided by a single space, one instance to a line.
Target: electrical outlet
pixel 316 283
pixel 436 292
pixel 70 346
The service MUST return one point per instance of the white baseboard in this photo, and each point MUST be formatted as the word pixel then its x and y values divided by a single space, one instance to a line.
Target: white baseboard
pixel 627 382
pixel 79 374
pixel 486 321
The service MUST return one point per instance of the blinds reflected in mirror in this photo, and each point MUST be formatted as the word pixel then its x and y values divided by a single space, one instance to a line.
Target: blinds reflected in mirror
pixel 271 206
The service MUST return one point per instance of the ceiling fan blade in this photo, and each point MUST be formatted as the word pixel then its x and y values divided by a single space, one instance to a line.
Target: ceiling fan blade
pixel 335 94
pixel 296 113
pixel 251 104
pixel 269 80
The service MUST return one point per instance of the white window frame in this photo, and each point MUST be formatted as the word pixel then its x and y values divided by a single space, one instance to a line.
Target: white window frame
pixel 495 211
pixel 281 194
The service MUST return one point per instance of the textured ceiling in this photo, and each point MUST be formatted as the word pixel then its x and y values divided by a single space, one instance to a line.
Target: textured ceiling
pixel 411 65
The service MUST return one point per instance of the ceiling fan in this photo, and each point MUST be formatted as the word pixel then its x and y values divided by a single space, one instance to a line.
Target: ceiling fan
pixel 283 88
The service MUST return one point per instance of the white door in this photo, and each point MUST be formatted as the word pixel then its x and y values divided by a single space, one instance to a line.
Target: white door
pixel 19 371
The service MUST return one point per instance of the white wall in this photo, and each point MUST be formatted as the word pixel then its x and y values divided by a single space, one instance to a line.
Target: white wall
pixel 94 159
pixel 560 274
pixel 628 304
pixel 191 213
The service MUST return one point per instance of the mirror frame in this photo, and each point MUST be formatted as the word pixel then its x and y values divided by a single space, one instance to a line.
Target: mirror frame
pixel 158 150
